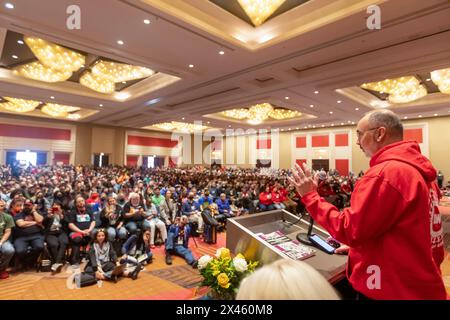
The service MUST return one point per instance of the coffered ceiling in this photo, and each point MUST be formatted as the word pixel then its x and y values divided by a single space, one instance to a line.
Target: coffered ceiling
pixel 311 58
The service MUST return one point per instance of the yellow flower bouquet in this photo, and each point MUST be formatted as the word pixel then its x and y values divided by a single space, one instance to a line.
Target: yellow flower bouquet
pixel 223 273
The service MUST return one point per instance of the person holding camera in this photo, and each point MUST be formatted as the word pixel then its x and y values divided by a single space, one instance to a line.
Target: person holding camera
pixel 55 224
pixel 112 220
pixel 178 242
pixel 28 234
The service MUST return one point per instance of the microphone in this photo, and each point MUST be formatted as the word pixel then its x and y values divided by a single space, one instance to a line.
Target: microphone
pixel 304 237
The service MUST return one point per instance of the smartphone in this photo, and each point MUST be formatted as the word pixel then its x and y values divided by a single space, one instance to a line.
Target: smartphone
pixel 321 244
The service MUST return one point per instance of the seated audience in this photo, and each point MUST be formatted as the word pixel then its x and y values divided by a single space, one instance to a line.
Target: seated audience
pixel 134 214
pixel 223 206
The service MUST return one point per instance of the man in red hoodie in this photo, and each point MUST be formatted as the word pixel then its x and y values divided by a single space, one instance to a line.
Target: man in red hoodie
pixel 388 225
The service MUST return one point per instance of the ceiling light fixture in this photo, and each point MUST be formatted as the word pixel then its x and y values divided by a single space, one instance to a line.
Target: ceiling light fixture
pixel 287 98
pixel 52 97
pixel 191 66
pixel 147 21
pixel 441 78
pixel 420 116
pixel 19 105
pixel 37 71
pixel 100 105
pixel 357 109
pixel 331 112
pixel 119 72
pixel 54 56
pixel 400 90
pixel 9 5
pixel 96 83
pixel 221 52
pixel 259 10
pixel 316 92
pixel 20 42
pixel 120 42
pixel 258 113
pixel 14 56
pixel 311 106
pixel 339 101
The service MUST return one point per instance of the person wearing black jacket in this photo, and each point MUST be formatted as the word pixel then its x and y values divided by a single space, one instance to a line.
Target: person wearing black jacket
pixel 55 224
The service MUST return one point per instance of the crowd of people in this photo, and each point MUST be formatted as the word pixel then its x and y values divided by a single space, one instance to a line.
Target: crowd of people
pixel 115 215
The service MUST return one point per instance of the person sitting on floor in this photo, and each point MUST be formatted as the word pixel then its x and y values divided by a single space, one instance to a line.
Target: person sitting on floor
pixel 178 242
pixel 136 252
pixel 102 258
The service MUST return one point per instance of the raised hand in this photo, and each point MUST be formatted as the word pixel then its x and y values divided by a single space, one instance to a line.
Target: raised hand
pixel 303 179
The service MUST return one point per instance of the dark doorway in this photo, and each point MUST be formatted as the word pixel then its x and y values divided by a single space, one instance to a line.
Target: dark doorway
pixel 318 164
pixel 263 163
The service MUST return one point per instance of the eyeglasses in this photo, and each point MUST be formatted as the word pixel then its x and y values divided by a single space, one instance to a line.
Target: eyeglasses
pixel 359 134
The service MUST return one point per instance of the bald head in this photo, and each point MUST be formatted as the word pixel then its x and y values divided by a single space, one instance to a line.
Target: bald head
pixel 388 120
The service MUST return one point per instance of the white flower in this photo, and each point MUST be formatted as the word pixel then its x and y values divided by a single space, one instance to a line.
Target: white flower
pixel 240 264
pixel 218 252
pixel 203 261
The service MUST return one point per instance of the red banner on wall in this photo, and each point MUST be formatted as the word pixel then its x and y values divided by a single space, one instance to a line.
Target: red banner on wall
pixel 18 131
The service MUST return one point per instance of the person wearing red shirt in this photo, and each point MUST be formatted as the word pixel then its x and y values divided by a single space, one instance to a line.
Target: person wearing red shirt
pixel 265 200
pixel 277 199
pixel 387 226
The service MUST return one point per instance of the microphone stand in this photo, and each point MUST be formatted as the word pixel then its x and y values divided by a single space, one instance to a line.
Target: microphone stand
pixel 304 237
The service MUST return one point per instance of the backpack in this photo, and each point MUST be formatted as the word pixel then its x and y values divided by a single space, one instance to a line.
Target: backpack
pixel 44 262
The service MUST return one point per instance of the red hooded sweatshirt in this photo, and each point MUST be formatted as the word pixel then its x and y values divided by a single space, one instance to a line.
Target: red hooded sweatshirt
pixel 387 226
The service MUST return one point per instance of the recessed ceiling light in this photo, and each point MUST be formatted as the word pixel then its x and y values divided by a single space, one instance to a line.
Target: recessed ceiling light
pixel 339 101
pixel 349 121
pixel 120 42
pixel 146 21
pixel 289 129
pixel 305 127
pixel 124 82
pixel 332 124
pixel 428 79
pixel 19 41
pixel 405 117
pixel 191 66
pixel 353 122
pixel 14 56
pixel 221 52
pixel 287 98
pixel 323 126
pixel 420 116
pixel 282 129
pixel 314 127
pixel 52 97
pixel 100 105
pixel 342 123
pixel 208 122
pixel 357 109
pixel 316 92
pixel 331 112
pixel 435 114
pixel 311 106
pixel 297 128
pixel 9 5
pixel 229 126
pixel 182 118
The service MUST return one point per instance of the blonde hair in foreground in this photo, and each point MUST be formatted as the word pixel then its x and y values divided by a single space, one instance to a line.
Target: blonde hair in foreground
pixel 286 280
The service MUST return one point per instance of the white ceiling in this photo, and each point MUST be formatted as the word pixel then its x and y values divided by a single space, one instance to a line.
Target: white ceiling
pixel 339 52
